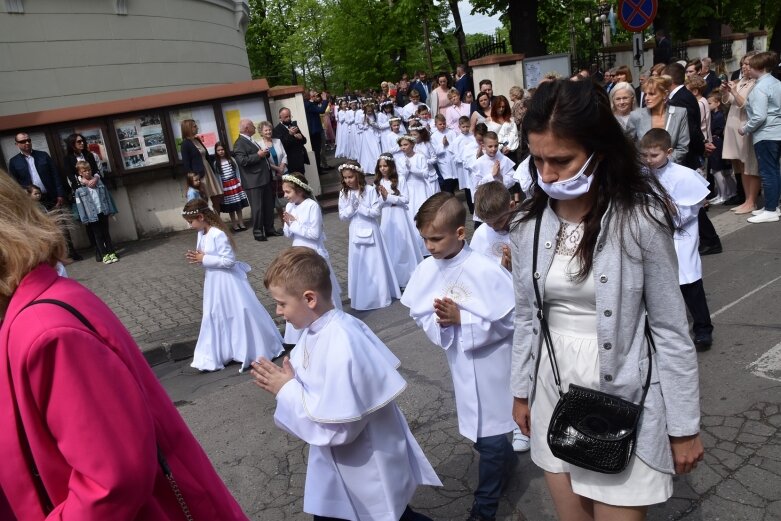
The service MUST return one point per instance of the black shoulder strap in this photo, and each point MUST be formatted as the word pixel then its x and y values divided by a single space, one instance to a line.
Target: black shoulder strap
pixel 73 311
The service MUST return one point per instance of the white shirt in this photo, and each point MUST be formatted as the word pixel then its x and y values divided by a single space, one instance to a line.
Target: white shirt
pixel 34 175
pixel 489 242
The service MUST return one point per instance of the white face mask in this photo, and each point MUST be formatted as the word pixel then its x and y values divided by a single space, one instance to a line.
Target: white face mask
pixel 571 188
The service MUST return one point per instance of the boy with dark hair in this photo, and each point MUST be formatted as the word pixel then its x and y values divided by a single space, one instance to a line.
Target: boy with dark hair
pixel 337 392
pixel 461 301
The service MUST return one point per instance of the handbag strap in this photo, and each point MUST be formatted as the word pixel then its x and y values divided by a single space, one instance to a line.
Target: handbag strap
pixel 546 331
pixel 46 501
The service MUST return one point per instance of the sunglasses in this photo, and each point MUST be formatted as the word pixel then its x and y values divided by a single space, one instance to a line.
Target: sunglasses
pixel 24 141
pixel 79 141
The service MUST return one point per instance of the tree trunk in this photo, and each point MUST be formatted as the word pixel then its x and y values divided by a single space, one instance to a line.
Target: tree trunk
pixel 460 36
pixel 525 34
pixel 775 40
pixel 427 42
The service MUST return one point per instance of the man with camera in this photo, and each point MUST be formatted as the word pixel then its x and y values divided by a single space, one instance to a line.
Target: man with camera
pixel 293 140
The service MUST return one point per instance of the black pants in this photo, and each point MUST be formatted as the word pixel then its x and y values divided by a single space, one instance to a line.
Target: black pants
pixel 408 515
pixel 694 296
pixel 449 185
pixel 708 235
pixel 317 143
pixel 99 230
pixel 469 203
pixel 261 205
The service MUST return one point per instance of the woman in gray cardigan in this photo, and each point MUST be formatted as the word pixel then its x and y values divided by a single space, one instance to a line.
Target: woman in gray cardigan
pixel 605 259
pixel 657 114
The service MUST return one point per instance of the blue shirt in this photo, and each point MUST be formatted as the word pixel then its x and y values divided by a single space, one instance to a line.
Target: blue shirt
pixel 764 110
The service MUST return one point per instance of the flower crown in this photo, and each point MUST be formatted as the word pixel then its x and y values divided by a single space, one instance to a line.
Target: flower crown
pixel 296 181
pixel 191 213
pixel 385 156
pixel 348 166
pixel 405 137
pixel 416 126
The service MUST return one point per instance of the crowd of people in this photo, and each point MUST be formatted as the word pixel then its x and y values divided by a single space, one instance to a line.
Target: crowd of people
pixel 569 186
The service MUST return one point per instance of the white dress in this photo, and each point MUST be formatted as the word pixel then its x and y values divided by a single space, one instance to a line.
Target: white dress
pixel 428 151
pixel 235 326
pixel 400 235
pixel 351 145
pixel 364 463
pixel 341 134
pixel 307 230
pixel 369 144
pixel 371 281
pixel 414 170
pixel 570 307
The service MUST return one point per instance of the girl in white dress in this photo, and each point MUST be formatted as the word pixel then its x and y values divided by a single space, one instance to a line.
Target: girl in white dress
pixel 304 224
pixel 424 147
pixel 413 168
pixel 370 139
pixel 389 139
pixel 352 131
pixel 396 226
pixel 235 326
pixel 371 282
pixel 341 130
pixel 383 121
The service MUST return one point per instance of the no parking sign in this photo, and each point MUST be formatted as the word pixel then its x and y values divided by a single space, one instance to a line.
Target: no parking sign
pixel 636 15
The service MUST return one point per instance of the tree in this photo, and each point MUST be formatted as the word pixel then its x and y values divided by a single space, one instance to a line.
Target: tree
pixel 523 18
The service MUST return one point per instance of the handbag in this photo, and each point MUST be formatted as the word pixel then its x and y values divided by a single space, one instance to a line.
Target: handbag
pixel 43 495
pixel 589 428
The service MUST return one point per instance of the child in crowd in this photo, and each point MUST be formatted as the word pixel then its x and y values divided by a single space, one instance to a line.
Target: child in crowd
pixel 424 117
pixel 337 393
pixel 396 222
pixel 495 206
pixel 389 138
pixel 235 326
pixel 383 121
pixel 341 129
pixel 371 281
pixel 95 206
pixel 234 199
pixel 410 110
pixel 303 222
pixel 459 142
pixel 424 147
pixel 195 188
pixel 464 303
pixel 352 147
pixel 412 167
pixel 442 140
pixel 721 170
pixel 369 139
pixel 491 165
pixel 688 191
pixel 471 150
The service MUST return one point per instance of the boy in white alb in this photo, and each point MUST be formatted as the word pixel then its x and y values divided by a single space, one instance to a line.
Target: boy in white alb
pixel 337 393
pixel 492 165
pixel 688 190
pixel 460 300
pixel 470 151
pixel 495 206
pixel 459 143
pixel 442 139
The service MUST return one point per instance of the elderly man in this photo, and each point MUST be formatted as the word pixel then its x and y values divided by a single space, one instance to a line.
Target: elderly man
pixel 293 140
pixel 256 180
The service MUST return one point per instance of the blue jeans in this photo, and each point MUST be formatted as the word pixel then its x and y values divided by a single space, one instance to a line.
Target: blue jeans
pixel 768 153
pixel 496 459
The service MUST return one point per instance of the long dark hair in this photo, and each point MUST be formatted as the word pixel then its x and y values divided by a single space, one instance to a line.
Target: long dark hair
pixel 393 175
pixel 70 143
pixel 580 111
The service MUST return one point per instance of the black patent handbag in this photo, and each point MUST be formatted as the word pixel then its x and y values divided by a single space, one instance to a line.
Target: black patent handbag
pixel 589 428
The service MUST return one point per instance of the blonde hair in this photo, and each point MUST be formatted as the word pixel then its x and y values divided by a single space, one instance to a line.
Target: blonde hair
pixel 298 269
pixel 198 207
pixel 188 128
pixel 516 92
pixel 29 237
pixel 654 83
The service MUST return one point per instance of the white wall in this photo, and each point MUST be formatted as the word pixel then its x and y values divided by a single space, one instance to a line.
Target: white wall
pixel 63 53
pixel 503 76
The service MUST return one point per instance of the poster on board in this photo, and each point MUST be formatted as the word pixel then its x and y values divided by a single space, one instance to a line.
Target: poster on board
pixel 141 141
pixel 203 117
pixel 537 68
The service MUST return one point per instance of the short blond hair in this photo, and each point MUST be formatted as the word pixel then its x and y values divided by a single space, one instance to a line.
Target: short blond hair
pixel 442 207
pixel 29 237
pixel 298 269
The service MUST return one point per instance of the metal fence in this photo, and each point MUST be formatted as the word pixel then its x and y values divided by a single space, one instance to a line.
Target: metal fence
pixel 486 46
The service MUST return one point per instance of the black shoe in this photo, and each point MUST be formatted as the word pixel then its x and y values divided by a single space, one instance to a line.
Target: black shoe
pixel 75 256
pixel 261 238
pixel 703 342
pixel 274 233
pixel 734 201
pixel 710 249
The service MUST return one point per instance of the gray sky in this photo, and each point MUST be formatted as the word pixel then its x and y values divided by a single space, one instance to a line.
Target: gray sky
pixel 477 23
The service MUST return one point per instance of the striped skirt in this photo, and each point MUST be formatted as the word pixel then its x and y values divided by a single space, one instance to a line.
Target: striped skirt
pixel 234 198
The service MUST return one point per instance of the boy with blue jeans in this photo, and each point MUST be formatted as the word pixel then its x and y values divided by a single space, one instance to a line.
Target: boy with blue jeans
pixel 460 300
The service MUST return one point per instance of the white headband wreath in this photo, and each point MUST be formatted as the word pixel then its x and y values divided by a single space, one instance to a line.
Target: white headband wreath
pixel 405 137
pixel 386 157
pixel 296 181
pixel 348 166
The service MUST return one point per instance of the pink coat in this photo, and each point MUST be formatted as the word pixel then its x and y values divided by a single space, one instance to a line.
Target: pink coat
pixel 93 412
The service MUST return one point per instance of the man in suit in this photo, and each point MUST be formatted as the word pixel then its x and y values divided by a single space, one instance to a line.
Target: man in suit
pixel 316 105
pixel 664 50
pixel 711 78
pixel 710 242
pixel 256 180
pixel 463 81
pixel 421 85
pixel 293 140
pixel 639 94
pixel 33 167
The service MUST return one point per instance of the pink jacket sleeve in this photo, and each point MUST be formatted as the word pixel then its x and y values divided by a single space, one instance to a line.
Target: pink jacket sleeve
pixel 101 425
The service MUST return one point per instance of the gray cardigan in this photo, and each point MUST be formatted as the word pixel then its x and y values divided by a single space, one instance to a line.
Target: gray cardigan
pixel 639 123
pixel 630 280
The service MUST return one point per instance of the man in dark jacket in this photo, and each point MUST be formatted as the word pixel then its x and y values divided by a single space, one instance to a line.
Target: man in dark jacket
pixel 256 181
pixel 33 167
pixel 316 105
pixel 293 140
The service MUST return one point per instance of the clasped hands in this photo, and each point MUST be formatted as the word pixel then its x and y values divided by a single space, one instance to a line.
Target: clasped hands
pixel 447 312
pixel 269 376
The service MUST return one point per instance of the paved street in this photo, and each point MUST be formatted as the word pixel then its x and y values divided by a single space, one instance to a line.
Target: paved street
pixel 157 295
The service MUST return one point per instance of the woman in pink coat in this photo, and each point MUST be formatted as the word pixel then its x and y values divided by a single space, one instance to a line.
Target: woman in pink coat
pixel 78 401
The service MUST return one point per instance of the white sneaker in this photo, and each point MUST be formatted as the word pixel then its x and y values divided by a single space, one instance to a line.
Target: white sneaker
pixel 762 210
pixel 716 200
pixel 520 442
pixel 764 217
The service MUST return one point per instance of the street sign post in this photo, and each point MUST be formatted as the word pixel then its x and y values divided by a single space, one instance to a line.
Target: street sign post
pixel 637 46
pixel 636 15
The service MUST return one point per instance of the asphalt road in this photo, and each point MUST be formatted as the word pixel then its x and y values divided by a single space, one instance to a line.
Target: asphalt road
pixel 740 377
